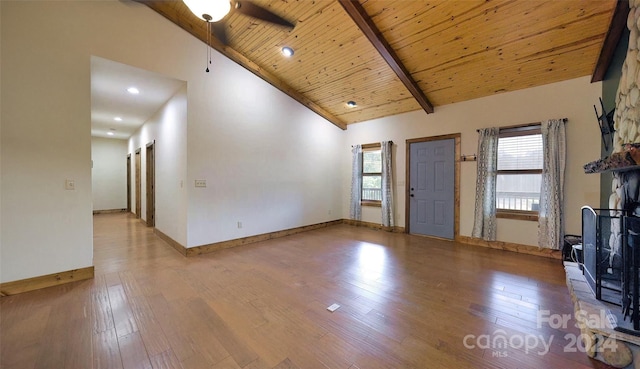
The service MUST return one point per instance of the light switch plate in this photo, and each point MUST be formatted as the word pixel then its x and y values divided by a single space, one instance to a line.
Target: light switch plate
pixel 201 183
pixel 69 184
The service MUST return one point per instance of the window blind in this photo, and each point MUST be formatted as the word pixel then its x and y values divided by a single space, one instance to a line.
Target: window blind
pixel 520 152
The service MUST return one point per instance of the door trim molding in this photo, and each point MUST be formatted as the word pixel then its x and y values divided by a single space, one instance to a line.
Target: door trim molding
pixel 129 182
pixel 150 185
pixel 456 175
pixel 138 182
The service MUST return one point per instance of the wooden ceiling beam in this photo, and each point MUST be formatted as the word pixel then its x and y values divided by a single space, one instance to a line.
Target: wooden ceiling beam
pixel 164 8
pixel 610 43
pixel 365 23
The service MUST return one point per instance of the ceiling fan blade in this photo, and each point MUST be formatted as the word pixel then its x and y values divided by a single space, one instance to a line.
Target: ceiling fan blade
pixel 255 11
pixel 219 30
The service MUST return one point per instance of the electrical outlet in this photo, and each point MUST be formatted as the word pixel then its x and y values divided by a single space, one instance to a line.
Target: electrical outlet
pixel 239 225
pixel 201 183
pixel 70 185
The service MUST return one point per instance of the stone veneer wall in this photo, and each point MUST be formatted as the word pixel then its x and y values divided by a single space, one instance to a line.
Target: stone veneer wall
pixel 627 115
pixel 627 120
pixel 627 125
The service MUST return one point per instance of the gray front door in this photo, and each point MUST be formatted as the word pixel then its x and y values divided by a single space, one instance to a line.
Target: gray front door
pixel 432 188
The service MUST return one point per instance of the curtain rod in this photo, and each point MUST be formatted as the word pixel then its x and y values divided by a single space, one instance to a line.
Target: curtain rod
pixel 371 144
pixel 525 125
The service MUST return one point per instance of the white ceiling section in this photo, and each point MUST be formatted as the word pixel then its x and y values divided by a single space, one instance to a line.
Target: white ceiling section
pixel 109 97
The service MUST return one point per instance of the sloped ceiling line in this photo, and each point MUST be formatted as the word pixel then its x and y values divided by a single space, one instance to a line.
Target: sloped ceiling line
pixel 364 22
pixel 366 25
pixel 164 8
pixel 616 28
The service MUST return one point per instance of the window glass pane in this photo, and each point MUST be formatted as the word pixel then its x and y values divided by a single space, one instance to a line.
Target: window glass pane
pixel 372 162
pixel 520 152
pixel 518 191
pixel 372 188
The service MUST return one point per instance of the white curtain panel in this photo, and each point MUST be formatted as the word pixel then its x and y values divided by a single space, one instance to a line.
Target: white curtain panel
pixel 550 216
pixel 484 222
pixel 355 211
pixel 387 180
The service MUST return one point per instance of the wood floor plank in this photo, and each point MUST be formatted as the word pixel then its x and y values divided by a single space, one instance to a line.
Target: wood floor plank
pixel 134 354
pixel 406 302
pixel 106 351
pixel 125 322
pixel 286 364
pixel 150 329
pixel 66 340
pixel 166 360
pixel 228 363
pixel 101 307
pixel 241 353
pixel 20 337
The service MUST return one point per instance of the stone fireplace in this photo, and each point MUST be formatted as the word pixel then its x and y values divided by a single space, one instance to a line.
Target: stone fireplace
pixel 614 238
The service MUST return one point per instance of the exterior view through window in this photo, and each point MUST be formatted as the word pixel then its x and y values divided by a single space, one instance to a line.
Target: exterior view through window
pixel 519 171
pixel 372 175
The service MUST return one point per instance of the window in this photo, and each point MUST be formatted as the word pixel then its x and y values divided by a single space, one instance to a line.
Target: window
pixel 519 173
pixel 371 175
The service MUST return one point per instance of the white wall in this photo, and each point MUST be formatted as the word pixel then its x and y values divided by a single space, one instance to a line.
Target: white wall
pixel 572 99
pixel 46 139
pixel 109 173
pixel 168 129
pixel 269 162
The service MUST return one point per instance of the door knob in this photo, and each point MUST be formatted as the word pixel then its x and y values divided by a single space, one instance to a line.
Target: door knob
pixel 411 195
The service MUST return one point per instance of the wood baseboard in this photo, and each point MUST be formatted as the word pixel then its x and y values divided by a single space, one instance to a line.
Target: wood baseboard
pixel 360 223
pixel 515 247
pixel 44 281
pixel 173 243
pixel 109 211
pixel 205 249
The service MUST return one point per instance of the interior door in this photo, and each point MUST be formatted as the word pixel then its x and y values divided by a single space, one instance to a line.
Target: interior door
pixel 432 188
pixel 138 184
pixel 151 184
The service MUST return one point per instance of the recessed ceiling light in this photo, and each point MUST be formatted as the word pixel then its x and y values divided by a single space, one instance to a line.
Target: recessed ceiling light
pixel 133 90
pixel 117 119
pixel 110 133
pixel 287 51
pixel 351 104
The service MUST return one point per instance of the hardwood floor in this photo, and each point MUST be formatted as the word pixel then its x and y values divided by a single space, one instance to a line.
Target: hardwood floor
pixel 405 302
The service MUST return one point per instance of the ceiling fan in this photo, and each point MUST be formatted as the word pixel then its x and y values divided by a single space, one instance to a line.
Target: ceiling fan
pixel 213 11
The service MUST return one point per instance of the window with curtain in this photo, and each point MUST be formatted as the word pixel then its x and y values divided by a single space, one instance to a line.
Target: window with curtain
pixel 371 175
pixel 519 173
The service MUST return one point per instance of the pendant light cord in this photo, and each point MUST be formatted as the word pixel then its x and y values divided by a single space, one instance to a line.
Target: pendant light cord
pixel 208 46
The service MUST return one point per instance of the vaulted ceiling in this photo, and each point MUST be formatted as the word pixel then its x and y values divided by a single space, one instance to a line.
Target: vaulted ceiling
pixel 395 56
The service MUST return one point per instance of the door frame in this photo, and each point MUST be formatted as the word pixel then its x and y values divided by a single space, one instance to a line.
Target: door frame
pixel 138 179
pixel 456 176
pixel 128 183
pixel 150 159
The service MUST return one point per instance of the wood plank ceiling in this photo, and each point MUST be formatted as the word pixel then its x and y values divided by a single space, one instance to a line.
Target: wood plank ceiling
pixel 454 50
